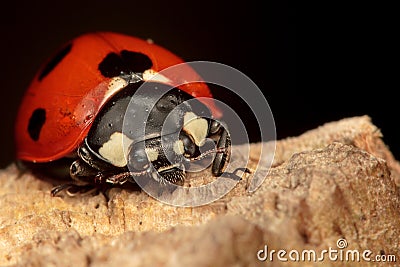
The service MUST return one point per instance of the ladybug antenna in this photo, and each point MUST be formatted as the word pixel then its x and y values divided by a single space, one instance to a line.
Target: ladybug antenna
pixel 209 152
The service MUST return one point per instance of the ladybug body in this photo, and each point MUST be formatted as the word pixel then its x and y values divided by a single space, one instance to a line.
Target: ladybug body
pixel 76 108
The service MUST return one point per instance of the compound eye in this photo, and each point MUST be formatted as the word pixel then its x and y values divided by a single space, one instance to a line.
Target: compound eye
pixel 189 146
pixel 138 159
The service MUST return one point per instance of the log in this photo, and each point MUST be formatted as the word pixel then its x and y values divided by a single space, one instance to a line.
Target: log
pixel 335 187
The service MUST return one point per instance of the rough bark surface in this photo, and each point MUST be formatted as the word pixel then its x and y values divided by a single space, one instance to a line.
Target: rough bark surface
pixel 336 181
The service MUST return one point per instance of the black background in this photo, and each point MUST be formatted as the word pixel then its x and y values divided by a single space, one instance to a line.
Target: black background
pixel 315 63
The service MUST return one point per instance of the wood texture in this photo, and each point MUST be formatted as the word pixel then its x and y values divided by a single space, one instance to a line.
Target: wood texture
pixel 336 181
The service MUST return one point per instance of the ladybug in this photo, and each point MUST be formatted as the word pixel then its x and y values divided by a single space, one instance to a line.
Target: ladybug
pixel 74 109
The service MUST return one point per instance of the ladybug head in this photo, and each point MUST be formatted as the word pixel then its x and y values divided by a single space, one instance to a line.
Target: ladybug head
pixel 151 128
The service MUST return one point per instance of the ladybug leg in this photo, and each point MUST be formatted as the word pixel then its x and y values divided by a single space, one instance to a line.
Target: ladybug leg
pixel 85 179
pixel 222 152
pixel 233 175
pixel 72 189
pixel 57 189
pixel 124 177
pixel 80 173
pixel 221 158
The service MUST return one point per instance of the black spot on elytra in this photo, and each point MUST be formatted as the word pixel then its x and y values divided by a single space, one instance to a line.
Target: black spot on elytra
pixel 36 122
pixel 125 62
pixel 54 61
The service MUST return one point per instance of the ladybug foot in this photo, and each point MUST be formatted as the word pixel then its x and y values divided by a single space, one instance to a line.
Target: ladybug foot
pixel 233 175
pixel 73 189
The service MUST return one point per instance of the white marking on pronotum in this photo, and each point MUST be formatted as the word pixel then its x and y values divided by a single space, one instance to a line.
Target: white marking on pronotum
pixel 113 149
pixel 195 126
pixel 178 147
pixel 154 76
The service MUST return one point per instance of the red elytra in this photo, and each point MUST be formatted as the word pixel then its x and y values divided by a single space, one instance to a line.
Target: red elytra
pixel 65 96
